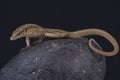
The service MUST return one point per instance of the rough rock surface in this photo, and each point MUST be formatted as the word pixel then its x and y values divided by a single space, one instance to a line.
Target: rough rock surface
pixel 61 59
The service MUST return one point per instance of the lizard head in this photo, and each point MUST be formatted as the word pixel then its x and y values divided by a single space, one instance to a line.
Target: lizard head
pixel 22 30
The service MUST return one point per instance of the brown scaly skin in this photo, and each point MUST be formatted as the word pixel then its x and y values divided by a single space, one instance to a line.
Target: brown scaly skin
pixel 33 30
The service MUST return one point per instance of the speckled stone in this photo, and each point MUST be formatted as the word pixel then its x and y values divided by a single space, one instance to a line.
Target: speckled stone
pixel 61 59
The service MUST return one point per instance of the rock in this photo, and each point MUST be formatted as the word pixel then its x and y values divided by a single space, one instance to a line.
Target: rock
pixel 61 59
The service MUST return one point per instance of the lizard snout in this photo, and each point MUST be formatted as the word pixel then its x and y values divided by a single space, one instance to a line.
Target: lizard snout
pixel 11 38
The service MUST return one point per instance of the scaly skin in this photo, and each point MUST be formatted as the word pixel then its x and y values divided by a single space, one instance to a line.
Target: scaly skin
pixel 33 30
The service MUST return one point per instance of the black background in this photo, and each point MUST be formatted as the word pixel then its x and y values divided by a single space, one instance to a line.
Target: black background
pixel 69 15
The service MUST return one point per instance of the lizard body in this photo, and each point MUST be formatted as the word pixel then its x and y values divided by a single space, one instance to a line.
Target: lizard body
pixel 33 30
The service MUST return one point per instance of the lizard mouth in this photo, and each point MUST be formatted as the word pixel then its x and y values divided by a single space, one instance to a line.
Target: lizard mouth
pixel 14 37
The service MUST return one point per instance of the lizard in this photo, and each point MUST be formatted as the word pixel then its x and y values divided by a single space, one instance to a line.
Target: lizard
pixel 33 30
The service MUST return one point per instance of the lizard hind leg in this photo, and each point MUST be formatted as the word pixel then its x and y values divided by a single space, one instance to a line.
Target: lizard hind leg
pixel 40 39
pixel 27 42
pixel 40 36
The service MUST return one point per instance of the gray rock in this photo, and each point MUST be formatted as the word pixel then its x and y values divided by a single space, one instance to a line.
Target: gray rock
pixel 61 59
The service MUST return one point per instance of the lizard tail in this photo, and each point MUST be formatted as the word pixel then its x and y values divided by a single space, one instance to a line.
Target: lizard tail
pixel 98 32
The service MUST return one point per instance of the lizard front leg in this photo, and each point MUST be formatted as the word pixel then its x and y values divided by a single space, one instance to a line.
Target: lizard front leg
pixel 27 42
pixel 27 39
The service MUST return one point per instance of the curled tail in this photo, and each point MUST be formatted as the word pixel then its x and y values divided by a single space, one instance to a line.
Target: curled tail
pixel 98 32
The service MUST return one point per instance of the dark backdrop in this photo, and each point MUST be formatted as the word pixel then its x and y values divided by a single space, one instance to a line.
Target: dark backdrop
pixel 69 15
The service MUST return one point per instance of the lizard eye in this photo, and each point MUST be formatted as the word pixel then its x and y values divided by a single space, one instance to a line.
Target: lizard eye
pixel 25 30
pixel 19 33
